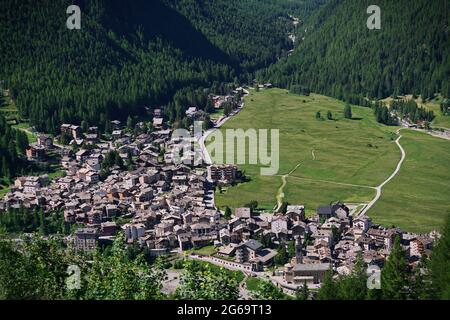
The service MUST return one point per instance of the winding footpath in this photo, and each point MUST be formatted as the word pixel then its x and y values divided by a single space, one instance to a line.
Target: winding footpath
pixel 379 188
pixel 280 193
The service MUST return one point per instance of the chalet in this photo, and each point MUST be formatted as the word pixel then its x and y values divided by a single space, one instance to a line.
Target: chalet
pixel 76 132
pixel 35 152
pixel 133 231
pixel 91 138
pixel 158 123
pixel 116 134
pixel 222 173
pixel 85 239
pixel 31 186
pixel 93 130
pixel 339 210
pixel 116 124
pixel 253 252
pixel 190 112
pixel 82 155
pixel 45 141
pixel 296 212
pixel 244 213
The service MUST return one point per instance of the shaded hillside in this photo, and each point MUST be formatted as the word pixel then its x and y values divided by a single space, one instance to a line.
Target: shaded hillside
pixel 128 54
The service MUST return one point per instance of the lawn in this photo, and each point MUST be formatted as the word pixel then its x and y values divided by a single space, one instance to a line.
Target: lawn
pixel 328 151
pixel 418 198
pixel 25 127
pixel 440 121
pixel 206 250
pixel 253 283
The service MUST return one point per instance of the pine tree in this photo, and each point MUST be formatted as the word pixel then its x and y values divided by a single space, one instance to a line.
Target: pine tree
pixel 328 289
pixel 348 111
pixel 302 293
pixel 42 223
pixel 395 276
pixel 318 115
pixel 329 115
pixel 440 264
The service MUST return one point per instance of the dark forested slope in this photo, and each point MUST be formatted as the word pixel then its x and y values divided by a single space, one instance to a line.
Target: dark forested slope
pixel 129 54
pixel 340 56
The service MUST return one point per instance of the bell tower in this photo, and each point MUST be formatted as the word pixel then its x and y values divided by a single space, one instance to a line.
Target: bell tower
pixel 298 250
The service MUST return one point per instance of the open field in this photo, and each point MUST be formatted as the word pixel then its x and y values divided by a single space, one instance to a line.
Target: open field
pixel 332 151
pixel 417 199
pixel 440 121
pixel 342 160
pixel 25 127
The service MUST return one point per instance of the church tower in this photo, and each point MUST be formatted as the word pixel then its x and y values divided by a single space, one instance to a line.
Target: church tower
pixel 298 250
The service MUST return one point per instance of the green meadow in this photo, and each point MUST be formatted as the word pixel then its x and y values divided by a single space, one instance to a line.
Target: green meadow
pixel 418 198
pixel 340 159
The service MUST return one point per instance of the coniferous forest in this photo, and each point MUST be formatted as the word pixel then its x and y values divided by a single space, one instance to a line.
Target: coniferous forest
pixel 338 55
pixel 130 55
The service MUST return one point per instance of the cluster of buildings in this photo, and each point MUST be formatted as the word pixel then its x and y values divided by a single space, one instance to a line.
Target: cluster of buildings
pixel 164 206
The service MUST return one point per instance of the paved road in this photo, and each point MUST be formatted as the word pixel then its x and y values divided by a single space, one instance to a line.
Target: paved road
pixel 397 170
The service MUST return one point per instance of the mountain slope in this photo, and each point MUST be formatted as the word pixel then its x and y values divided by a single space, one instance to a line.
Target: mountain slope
pixel 128 54
pixel 341 57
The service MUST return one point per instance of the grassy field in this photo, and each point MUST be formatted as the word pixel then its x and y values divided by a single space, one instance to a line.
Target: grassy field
pixel 25 127
pixel 418 198
pixel 329 151
pixel 343 159
pixel 440 121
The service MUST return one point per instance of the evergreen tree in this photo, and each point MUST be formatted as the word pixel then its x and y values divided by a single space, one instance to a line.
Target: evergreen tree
pixel 318 116
pixel 329 115
pixel 395 276
pixel 439 265
pixel 282 257
pixel 302 293
pixel 328 289
pixel 348 111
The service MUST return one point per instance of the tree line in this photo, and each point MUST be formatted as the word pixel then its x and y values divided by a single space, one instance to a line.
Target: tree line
pixel 12 147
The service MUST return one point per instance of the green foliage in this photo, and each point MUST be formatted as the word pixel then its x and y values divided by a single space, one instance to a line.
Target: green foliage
pixel 11 141
pixel 253 205
pixel 127 56
pixel 445 107
pixel 410 110
pixel 23 220
pixel 348 111
pixel 202 282
pixel 268 291
pixel 440 264
pixel 112 159
pixel 328 288
pixel 282 257
pixel 342 58
pixel 329 115
pixel 395 276
pixel 116 277
pixel 318 115
pixel 36 270
pixel 302 293
pixel 228 212
pixel 383 115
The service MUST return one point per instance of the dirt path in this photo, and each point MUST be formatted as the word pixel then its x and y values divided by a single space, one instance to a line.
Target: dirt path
pixel 396 171
pixel 280 192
